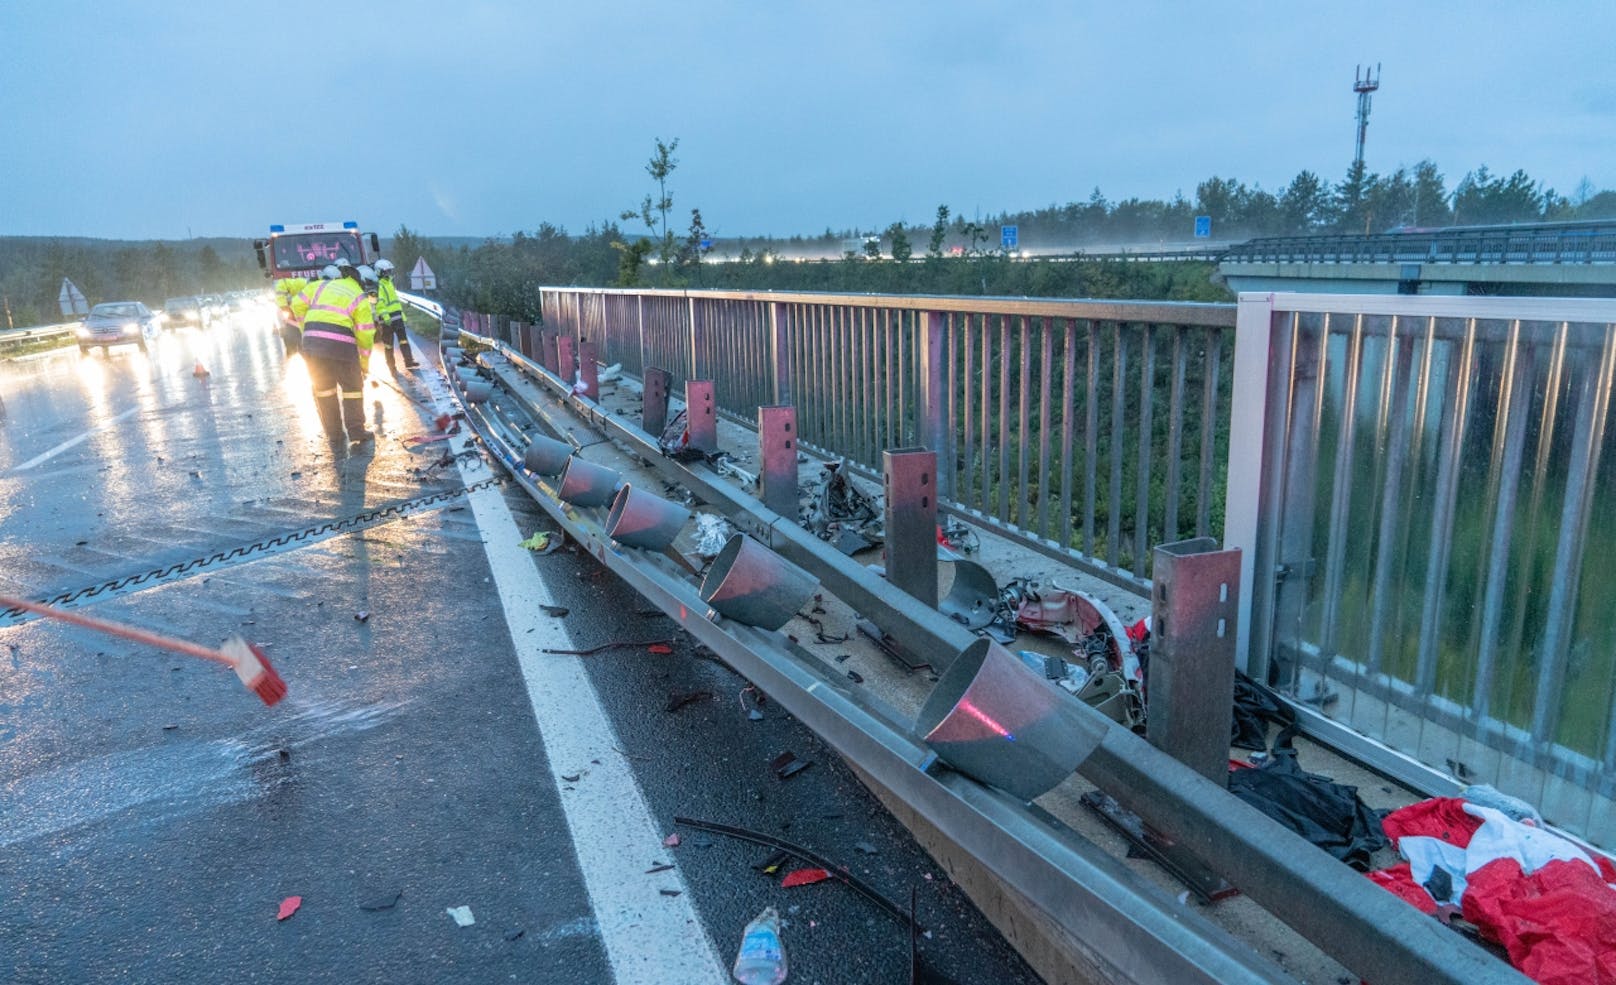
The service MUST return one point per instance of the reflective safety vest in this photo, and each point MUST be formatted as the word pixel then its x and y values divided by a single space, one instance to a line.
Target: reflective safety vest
pixel 287 288
pixel 388 307
pixel 338 320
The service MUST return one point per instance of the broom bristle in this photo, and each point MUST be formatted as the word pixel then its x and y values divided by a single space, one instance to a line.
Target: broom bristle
pixel 255 671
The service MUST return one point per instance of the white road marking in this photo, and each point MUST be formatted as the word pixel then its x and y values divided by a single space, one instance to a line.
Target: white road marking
pixel 69 443
pixel 650 939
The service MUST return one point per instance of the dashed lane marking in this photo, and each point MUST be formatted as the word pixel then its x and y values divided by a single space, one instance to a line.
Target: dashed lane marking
pixel 71 442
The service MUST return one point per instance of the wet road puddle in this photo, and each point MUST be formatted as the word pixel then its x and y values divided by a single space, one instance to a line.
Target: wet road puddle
pixel 178 778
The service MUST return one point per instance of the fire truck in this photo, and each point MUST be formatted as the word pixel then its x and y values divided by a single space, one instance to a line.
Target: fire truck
pixel 302 250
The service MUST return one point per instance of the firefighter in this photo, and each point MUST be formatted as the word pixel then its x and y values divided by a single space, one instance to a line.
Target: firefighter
pixel 339 327
pixel 286 289
pixel 390 319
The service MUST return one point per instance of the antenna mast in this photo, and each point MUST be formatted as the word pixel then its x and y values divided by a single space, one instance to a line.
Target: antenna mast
pixel 1364 83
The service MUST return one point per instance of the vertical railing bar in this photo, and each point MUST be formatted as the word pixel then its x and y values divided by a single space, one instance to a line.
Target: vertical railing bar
pixel 1547 435
pixel 1175 438
pixel 868 416
pixel 950 452
pixel 1209 419
pixel 1091 438
pixel 1003 496
pixel 1147 403
pixel 1046 370
pixel 1588 438
pixel 1068 427
pixel 1386 556
pixel 986 417
pixel 1023 420
pixel 1503 485
pixel 1456 408
pixel 968 474
pixel 1335 554
pixel 1115 453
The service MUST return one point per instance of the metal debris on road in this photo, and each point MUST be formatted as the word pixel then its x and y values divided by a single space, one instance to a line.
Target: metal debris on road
pixel 787 765
pixel 462 915
pixel 671 892
pixel 651 645
pixel 839 872
pixel 653 870
pixel 555 610
pixel 804 877
pixel 677 701
pixel 361 616
pixel 382 901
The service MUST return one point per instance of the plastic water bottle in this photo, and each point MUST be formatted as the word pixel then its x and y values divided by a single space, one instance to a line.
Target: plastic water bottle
pixel 762 960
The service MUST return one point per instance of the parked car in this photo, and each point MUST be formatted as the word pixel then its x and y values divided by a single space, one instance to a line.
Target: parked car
pixel 185 311
pixel 118 323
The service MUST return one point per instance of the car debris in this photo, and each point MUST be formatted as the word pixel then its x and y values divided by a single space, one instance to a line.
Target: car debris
pixel 461 915
pixel 787 765
pixel 838 512
pixel 289 906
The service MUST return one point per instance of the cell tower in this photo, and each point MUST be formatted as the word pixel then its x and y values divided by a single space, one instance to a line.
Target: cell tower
pixel 1364 83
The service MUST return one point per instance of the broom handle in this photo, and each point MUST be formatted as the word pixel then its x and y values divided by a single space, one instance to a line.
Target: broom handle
pixel 117 629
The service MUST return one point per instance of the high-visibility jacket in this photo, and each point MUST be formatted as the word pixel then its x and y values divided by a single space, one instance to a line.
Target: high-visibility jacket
pixel 388 307
pixel 339 320
pixel 286 289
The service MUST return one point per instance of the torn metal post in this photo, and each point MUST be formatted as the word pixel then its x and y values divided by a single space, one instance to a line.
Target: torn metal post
pixel 910 483
pixel 566 361
pixel 589 369
pixel 1196 606
pixel 548 356
pixel 701 415
pixel 654 417
pixel 777 446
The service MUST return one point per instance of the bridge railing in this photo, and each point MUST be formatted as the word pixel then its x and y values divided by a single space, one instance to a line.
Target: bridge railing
pixel 1087 429
pixel 1424 488
pixel 1581 244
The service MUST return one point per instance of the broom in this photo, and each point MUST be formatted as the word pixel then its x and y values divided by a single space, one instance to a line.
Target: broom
pixel 247 660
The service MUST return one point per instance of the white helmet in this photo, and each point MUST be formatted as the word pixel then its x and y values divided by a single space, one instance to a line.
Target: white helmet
pixel 384 267
pixel 366 275
pixel 330 272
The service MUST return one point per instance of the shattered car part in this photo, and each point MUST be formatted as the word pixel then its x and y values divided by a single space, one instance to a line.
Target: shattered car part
pixel 840 513
pixel 973 597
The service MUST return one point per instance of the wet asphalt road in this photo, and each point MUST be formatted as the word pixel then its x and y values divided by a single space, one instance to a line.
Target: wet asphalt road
pixel 153 814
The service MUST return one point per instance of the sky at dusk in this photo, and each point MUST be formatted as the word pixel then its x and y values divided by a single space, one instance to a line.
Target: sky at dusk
pixel 165 119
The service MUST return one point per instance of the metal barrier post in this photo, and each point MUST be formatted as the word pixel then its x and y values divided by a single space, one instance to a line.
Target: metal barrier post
pixel 1196 606
pixel 777 441
pixel 910 480
pixel 548 358
pixel 654 416
pixel 589 368
pixel 566 365
pixel 701 415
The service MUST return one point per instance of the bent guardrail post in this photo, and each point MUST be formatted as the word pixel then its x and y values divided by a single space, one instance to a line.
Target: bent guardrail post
pixel 654 415
pixel 589 368
pixel 701 416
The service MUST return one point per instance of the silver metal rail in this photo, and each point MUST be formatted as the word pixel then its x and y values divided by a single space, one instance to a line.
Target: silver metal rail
pixel 1086 429
pixel 27 336
pixel 1571 243
pixel 1356 922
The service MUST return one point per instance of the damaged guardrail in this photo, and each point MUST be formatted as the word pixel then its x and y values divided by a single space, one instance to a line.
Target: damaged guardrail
pixel 1086 892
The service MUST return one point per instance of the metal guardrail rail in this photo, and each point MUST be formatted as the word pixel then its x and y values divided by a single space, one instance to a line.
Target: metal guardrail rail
pixel 1086 429
pixel 24 336
pixel 1569 243
pixel 1364 927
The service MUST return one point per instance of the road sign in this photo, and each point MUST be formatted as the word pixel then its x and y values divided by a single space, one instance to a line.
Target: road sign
pixel 706 244
pixel 72 299
pixel 1203 227
pixel 421 276
pixel 1008 236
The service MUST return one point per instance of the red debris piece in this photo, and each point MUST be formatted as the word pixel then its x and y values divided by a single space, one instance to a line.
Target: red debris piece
pixel 671 841
pixel 289 906
pixel 804 877
pixel 659 648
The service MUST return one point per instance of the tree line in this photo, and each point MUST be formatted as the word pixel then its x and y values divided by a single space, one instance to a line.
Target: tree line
pixel 32 269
